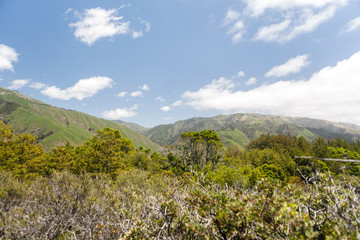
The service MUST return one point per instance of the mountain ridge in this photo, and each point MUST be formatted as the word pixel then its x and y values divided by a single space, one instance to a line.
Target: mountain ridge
pixel 240 128
pixel 55 126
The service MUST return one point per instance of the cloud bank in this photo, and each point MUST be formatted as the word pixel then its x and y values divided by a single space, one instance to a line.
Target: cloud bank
pixel 84 88
pixel 332 94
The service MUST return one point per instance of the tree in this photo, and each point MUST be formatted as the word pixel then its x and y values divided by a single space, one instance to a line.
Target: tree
pixel 200 148
pixel 20 154
pixel 105 152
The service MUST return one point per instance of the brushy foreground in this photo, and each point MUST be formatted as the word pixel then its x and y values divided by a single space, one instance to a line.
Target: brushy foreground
pixel 108 189
pixel 136 206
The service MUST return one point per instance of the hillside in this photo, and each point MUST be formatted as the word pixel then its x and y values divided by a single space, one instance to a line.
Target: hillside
pixel 133 126
pixel 55 126
pixel 239 129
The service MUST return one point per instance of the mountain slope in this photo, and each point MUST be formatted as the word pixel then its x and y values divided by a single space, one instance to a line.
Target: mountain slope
pixel 239 129
pixel 55 126
pixel 133 126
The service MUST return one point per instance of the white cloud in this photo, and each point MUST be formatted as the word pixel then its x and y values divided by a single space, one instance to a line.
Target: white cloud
pixel 17 84
pixel 69 10
pixel 251 81
pixel 137 34
pixel 96 23
pixel 146 24
pixel 257 7
pixel 295 25
pixel 165 108
pixel 37 85
pixel 236 28
pixel 231 16
pixel 272 32
pixel 136 94
pixel 331 93
pixel 7 56
pixel 84 88
pixel 293 65
pixel 353 25
pixel 122 94
pixel 161 99
pixel 177 103
pixel 288 18
pixel 240 74
pixel 145 87
pixel 120 113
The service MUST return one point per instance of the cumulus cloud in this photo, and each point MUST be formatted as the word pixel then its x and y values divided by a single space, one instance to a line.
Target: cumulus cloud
pixel 257 7
pixel 84 88
pixel 17 84
pixel 288 19
pixel 7 57
pixel 145 87
pixel 240 74
pixel 251 81
pixel 137 34
pixel 236 27
pixel 120 113
pixel 293 65
pixel 231 16
pixel 37 85
pixel 177 103
pixel 140 33
pixel 136 94
pixel 165 108
pixel 122 94
pixel 331 93
pixel 161 99
pixel 353 25
pixel 96 23
pixel 295 25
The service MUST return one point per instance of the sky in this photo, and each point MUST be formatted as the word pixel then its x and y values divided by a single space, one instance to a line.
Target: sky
pixel 156 62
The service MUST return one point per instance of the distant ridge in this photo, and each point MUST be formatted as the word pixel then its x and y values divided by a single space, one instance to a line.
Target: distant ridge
pixel 55 126
pixel 239 129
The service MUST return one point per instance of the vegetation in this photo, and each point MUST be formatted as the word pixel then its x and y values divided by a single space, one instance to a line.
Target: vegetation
pixel 107 188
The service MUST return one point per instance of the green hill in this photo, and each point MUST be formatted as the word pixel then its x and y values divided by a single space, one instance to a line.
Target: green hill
pixel 239 129
pixel 55 126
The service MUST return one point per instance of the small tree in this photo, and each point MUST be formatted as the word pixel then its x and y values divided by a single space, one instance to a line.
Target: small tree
pixel 200 148
pixel 105 152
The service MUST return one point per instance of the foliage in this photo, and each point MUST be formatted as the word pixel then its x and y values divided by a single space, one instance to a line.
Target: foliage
pixel 200 148
pixel 107 189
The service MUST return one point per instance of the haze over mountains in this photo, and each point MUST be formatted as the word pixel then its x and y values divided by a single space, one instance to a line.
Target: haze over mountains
pixel 55 126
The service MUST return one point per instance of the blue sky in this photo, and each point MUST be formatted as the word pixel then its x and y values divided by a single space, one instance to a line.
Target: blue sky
pixel 156 62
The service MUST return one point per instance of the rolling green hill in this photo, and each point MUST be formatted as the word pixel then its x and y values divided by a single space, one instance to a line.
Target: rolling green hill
pixel 239 129
pixel 55 126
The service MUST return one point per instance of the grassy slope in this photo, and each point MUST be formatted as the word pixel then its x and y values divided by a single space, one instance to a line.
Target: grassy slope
pixel 55 126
